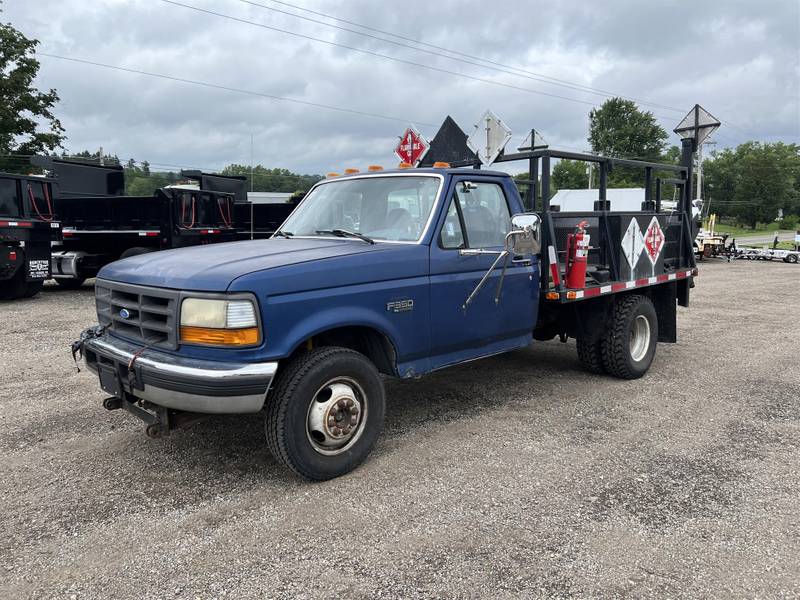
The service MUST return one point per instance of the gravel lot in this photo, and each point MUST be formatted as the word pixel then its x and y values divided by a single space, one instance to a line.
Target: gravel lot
pixel 516 476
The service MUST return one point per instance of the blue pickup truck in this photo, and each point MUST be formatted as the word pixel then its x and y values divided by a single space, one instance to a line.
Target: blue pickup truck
pixel 392 273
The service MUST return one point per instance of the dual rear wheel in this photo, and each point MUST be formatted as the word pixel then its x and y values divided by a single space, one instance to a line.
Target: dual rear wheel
pixel 628 345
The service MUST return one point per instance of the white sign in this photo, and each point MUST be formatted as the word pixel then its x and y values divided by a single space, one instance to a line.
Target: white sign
pixel 489 138
pixel 699 122
pixel 632 243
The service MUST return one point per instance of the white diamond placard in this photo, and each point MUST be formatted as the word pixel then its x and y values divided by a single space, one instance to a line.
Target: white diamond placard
pixel 489 138
pixel 632 243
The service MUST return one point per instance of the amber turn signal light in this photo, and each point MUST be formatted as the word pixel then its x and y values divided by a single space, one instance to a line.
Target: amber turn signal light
pixel 248 336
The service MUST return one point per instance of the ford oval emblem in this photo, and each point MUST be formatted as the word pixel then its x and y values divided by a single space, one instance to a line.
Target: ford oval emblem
pixel 125 313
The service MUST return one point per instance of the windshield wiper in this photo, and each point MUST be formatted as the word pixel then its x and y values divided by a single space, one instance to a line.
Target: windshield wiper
pixel 345 233
pixel 286 234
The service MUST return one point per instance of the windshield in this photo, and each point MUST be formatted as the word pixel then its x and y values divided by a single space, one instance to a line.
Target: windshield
pixel 392 208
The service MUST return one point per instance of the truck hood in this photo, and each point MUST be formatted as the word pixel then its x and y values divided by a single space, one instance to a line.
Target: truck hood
pixel 213 267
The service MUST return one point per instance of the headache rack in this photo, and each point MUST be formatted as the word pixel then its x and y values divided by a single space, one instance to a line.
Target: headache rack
pixel 664 239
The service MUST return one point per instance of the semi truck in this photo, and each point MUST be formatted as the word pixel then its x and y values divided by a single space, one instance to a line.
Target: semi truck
pixel 388 273
pixel 100 224
pixel 28 225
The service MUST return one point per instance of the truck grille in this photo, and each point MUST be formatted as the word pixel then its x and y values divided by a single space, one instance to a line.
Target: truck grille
pixel 142 314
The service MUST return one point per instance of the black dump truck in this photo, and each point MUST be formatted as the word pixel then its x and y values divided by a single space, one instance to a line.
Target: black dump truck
pixel 253 220
pixel 28 225
pixel 101 224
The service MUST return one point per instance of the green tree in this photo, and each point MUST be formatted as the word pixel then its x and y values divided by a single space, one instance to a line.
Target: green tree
pixel 570 175
pixel 620 129
pixel 754 181
pixel 23 107
pixel 272 180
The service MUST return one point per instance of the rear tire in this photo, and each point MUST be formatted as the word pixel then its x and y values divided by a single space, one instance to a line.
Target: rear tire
pixel 70 284
pixel 15 287
pixel 629 345
pixel 33 288
pixel 303 426
pixel 135 252
pixel 590 354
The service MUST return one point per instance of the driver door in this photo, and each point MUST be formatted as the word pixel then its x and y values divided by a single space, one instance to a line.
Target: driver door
pixel 478 215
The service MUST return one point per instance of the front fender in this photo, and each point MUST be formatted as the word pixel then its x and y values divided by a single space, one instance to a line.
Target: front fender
pixel 290 319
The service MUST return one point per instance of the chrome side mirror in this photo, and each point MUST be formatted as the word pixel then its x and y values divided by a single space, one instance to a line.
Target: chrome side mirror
pixel 524 239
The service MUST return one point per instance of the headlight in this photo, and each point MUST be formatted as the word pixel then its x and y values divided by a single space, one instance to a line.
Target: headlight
pixel 219 322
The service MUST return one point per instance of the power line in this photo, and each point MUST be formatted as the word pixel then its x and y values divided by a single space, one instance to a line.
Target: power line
pixel 232 89
pixel 500 67
pixel 385 56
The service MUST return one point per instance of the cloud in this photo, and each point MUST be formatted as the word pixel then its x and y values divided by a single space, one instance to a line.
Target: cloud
pixel 738 59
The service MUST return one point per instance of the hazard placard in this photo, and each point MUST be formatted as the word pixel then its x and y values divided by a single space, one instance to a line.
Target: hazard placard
pixel 653 240
pixel 412 146
pixel 632 243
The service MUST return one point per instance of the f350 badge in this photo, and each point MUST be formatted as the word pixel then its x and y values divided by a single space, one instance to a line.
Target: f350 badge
pixel 397 306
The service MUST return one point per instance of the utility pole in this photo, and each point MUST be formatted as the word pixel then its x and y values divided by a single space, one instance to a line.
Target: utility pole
pixel 252 167
pixel 698 194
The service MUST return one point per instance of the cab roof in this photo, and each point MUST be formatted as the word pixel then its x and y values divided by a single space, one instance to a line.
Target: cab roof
pixel 423 171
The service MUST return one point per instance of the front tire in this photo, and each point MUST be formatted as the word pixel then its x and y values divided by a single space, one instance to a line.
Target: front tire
pixel 629 345
pixel 325 413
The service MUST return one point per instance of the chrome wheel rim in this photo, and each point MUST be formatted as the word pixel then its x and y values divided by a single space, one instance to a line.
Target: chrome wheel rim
pixel 640 337
pixel 336 416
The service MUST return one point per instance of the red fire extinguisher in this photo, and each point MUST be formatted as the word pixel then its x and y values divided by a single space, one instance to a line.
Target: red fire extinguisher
pixel 577 252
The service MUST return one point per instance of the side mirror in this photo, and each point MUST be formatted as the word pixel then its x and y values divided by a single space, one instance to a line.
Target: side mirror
pixel 466 186
pixel 525 239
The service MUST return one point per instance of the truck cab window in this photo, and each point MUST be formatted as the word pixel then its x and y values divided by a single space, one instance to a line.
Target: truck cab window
pixel 482 211
pixel 452 236
pixel 9 204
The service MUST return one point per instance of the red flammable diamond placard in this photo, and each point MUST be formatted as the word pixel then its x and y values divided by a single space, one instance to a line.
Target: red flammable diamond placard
pixel 653 240
pixel 412 146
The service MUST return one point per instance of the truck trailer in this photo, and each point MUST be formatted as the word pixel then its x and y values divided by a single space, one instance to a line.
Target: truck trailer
pixel 395 273
pixel 28 225
pixel 100 224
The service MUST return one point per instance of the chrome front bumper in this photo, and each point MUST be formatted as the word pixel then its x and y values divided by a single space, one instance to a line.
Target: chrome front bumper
pixel 180 383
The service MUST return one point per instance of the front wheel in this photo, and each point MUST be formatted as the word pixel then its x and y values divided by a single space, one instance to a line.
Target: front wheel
pixel 629 345
pixel 325 413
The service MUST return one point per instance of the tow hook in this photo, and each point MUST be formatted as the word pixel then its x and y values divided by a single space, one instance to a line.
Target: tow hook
pixel 112 403
pixel 156 431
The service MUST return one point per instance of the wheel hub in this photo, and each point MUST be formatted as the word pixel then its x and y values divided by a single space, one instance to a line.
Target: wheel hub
pixel 335 417
pixel 639 337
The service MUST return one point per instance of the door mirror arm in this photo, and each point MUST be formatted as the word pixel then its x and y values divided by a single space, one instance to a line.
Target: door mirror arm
pixel 523 240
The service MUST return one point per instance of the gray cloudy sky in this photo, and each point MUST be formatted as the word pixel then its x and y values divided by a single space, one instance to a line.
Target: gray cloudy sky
pixel 739 59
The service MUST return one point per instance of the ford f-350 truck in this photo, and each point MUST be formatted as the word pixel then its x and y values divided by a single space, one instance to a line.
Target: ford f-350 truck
pixel 382 274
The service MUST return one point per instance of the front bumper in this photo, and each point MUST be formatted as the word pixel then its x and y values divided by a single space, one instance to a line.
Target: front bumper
pixel 179 383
